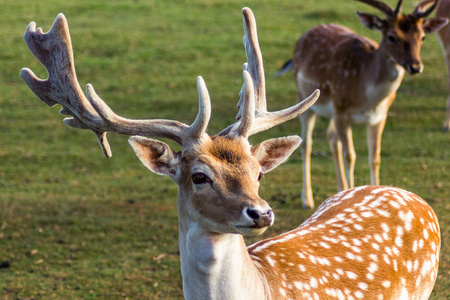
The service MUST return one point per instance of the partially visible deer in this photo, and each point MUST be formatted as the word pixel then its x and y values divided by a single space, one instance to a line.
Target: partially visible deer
pixel 443 35
pixel 358 80
pixel 377 242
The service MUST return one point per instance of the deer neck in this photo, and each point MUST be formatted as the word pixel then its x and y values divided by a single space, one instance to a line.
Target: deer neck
pixel 384 78
pixel 216 265
pixel 385 69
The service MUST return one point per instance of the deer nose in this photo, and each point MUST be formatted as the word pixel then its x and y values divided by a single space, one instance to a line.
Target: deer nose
pixel 414 68
pixel 261 216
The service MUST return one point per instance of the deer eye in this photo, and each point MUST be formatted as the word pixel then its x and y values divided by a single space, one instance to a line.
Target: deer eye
pixel 259 176
pixel 392 39
pixel 199 178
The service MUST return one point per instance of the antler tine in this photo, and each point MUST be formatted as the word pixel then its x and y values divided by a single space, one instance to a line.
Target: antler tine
pixel 272 119
pixel 248 106
pixel 398 7
pixel 54 51
pixel 254 63
pixel 259 118
pixel 204 113
pixel 418 11
pixel 383 7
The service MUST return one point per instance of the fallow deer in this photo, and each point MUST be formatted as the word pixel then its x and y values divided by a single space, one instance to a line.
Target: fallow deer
pixel 377 242
pixel 358 80
pixel 443 36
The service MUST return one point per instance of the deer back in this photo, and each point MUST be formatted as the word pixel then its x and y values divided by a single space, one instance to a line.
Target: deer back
pixel 378 242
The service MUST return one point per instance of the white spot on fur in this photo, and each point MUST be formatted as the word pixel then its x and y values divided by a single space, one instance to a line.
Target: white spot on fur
pixel 358 227
pixel 378 238
pixel 416 265
pixel 383 213
pixel 373 267
pixel 386 283
pixel 426 267
pixel 270 260
pixel 421 243
pixel 324 245
pixel 363 286
pixel 394 204
pixel 395 250
pixel 323 261
pixel 415 246
pixel 366 214
pixel 388 250
pixel 407 218
pixel 313 283
pixel 409 265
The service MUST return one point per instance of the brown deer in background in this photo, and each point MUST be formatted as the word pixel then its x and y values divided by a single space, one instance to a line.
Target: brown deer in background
pixel 378 242
pixel 358 80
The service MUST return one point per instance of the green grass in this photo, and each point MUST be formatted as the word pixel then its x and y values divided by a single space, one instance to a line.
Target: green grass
pixel 75 225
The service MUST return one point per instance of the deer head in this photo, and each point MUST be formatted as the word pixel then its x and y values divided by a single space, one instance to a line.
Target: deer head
pixel 403 34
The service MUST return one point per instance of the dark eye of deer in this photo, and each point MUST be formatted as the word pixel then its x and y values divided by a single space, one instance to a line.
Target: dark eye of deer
pixel 199 178
pixel 259 176
pixel 392 39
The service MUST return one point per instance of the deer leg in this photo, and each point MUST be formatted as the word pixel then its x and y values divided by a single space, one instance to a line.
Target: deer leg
pixel 374 133
pixel 447 118
pixel 307 120
pixel 442 36
pixel 344 132
pixel 336 151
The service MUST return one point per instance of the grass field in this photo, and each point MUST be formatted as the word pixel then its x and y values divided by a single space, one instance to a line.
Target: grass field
pixel 75 225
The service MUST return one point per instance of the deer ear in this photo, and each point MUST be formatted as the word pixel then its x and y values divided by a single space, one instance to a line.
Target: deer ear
pixel 370 21
pixel 273 152
pixel 433 25
pixel 155 155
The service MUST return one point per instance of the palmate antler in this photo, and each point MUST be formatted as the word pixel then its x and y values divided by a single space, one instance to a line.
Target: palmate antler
pixel 54 50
